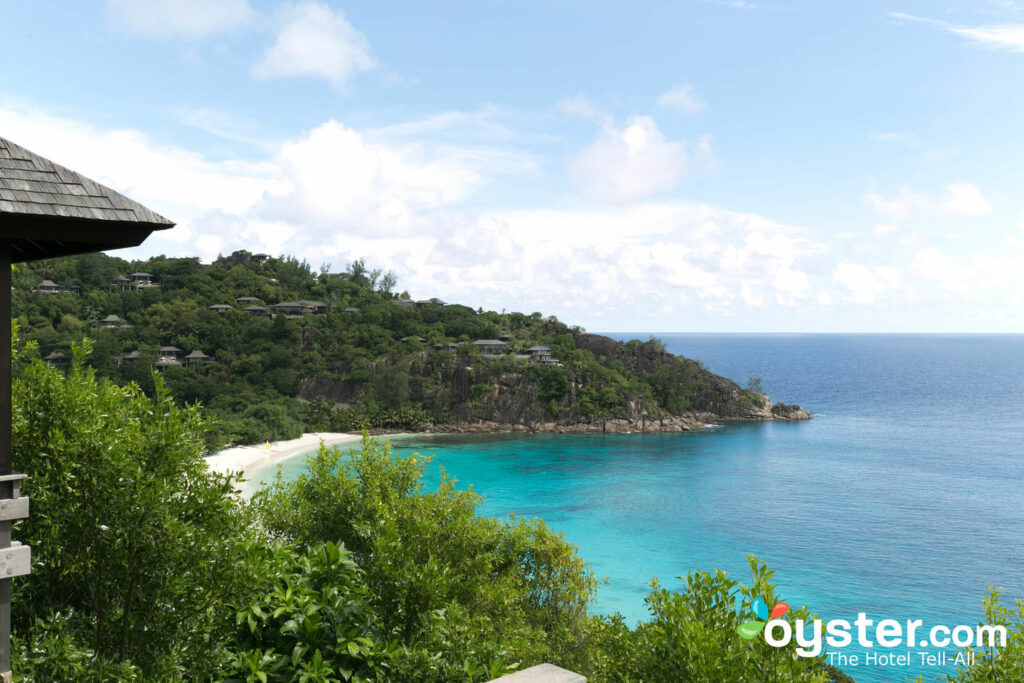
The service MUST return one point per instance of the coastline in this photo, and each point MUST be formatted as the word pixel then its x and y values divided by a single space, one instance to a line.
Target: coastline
pixel 777 412
pixel 251 459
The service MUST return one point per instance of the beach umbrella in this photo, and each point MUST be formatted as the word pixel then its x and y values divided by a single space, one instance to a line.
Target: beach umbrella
pixel 46 210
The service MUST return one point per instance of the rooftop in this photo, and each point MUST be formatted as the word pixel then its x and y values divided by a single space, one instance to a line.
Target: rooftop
pixel 48 210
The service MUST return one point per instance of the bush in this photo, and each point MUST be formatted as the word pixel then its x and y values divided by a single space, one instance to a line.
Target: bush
pixel 692 636
pixel 458 595
pixel 135 545
pixel 314 625
pixel 994 663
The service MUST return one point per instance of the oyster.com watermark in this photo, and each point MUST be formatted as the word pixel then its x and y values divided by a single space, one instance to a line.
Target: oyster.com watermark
pixel 887 642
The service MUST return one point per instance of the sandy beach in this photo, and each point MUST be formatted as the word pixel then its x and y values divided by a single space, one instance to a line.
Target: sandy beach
pixel 250 459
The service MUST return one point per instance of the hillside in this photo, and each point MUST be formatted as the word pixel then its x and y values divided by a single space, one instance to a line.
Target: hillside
pixel 273 348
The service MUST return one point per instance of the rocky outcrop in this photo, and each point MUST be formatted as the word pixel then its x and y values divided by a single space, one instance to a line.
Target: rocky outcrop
pixel 610 426
pixel 782 411
pixel 478 397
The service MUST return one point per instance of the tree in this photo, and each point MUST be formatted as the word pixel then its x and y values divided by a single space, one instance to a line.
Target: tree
pixel 454 591
pixel 133 540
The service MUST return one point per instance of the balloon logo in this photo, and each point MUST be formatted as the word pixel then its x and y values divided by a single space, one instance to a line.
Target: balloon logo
pixel 750 629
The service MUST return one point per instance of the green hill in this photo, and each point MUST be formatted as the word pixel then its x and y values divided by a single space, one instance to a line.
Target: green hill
pixel 273 349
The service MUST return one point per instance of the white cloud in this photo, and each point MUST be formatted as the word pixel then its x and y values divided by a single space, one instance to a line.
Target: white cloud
pixel 339 180
pixel 179 18
pixel 335 193
pixel 865 284
pixel 682 98
pixel 313 40
pixel 178 183
pixel 629 163
pixel 960 199
pixel 931 265
pixel 1003 37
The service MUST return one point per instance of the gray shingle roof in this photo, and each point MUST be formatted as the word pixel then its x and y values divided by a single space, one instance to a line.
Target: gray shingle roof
pixel 30 184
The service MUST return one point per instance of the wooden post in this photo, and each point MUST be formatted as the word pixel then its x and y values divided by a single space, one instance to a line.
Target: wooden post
pixel 6 487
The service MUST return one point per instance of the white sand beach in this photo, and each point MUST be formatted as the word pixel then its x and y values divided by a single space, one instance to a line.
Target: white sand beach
pixel 250 459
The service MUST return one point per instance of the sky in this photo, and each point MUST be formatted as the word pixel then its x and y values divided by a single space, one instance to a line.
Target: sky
pixel 654 166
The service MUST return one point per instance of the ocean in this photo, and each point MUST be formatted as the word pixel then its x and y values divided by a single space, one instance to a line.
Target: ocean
pixel 902 498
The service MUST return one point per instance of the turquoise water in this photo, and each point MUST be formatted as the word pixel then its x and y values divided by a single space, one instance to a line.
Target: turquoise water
pixel 901 498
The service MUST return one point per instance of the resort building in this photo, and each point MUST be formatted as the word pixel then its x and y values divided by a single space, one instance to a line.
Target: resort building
pixel 111 322
pixel 405 303
pixel 541 355
pixel 298 308
pixel 222 308
pixel 142 280
pixel 169 352
pixel 126 357
pixel 57 360
pixel 430 302
pixel 260 259
pixel 352 309
pixel 256 310
pixel 122 283
pixel 165 363
pixel 414 338
pixel 251 300
pixel 491 347
pixel 197 358
pixel 49 287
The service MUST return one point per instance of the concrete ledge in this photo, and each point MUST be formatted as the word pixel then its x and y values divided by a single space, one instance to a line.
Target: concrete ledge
pixel 542 673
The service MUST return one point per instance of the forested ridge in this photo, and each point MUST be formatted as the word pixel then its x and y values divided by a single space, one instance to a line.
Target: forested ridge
pixel 286 349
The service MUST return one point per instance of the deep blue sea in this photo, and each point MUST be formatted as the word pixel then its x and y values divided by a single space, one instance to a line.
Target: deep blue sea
pixel 902 498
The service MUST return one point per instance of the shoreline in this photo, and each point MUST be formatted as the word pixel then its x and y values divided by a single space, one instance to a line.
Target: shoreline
pixel 692 422
pixel 249 460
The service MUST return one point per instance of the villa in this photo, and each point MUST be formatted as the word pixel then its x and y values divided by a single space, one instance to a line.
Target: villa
pixel 491 347
pixel 57 360
pixel 541 355
pixel 169 352
pixel 126 357
pixel 142 280
pixel 197 358
pixel 298 308
pixel 49 287
pixel 165 363
pixel 256 310
pixel 111 322
pixel 222 308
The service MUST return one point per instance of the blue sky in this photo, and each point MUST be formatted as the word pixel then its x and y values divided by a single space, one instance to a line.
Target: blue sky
pixel 712 165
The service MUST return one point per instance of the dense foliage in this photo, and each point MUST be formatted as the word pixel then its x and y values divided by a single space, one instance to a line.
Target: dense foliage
pixel 360 364
pixel 136 546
